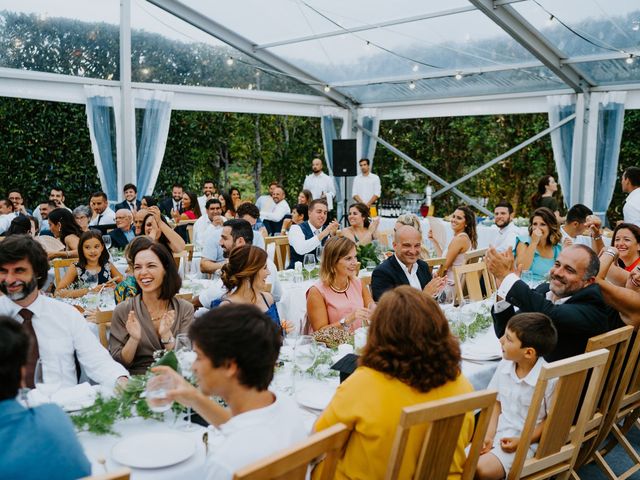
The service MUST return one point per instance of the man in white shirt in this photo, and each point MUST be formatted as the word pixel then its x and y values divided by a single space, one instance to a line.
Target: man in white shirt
pixel 309 235
pixel 631 185
pixel 580 218
pixel 507 231
pixel 102 214
pixel 273 217
pixel 56 195
pixel 6 214
pixel 265 202
pixel 57 330
pixel 366 187
pixel 236 350
pixel 212 219
pixel 208 191
pixel 320 184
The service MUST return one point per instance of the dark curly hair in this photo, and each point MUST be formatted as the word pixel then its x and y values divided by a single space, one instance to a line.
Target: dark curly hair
pixel 409 339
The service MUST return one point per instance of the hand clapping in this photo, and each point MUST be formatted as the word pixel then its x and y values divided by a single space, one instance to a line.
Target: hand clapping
pixel 133 326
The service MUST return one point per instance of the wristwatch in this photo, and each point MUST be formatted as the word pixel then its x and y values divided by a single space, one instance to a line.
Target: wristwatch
pixel 343 322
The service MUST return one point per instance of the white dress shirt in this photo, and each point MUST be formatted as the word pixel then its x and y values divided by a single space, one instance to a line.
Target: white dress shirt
pixel 108 217
pixel 256 434
pixel 366 186
pixel 579 240
pixel 321 184
pixel 277 211
pixel 61 330
pixel 412 275
pixel 299 243
pixel 506 239
pixel 202 228
pixel 264 202
pixel 5 222
pixel 202 201
pixel 505 286
pixel 631 208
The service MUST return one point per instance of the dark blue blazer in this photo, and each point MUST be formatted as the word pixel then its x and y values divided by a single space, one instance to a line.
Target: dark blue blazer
pixel 389 274
pixel 118 239
pixel 124 204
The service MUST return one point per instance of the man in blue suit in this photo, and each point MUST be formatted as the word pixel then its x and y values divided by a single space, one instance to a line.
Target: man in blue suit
pixel 130 201
pixel 404 267
pixel 124 231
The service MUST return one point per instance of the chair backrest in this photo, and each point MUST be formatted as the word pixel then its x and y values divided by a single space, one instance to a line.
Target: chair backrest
pixel 467 277
pixel 561 439
pixel 599 423
pixel 292 463
pixel 629 388
pixel 385 237
pixel 190 232
pixel 444 420
pixel 281 254
pixel 59 264
pixel 435 262
pixel 185 296
pixel 120 474
pixel 189 249
pixel 366 282
pixel 473 256
pixel 103 320
pixel 181 258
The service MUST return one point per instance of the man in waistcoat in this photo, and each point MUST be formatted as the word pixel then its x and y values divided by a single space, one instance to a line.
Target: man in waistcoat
pixel 309 235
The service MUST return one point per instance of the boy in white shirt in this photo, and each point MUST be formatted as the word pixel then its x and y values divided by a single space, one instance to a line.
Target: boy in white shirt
pixel 527 338
pixel 237 347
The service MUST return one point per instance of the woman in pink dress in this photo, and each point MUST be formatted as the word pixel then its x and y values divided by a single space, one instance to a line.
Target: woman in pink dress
pixel 338 298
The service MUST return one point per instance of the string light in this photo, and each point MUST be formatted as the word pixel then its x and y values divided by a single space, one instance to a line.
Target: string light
pixel 415 68
pixel 230 61
pixel 629 59
pixel 412 85
pixel 635 25
pixel 250 86
pixel 458 76
pixel 327 88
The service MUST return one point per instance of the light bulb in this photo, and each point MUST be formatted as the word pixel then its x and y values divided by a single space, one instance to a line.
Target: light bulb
pixel 412 86
pixel 230 61
pixel 458 76
pixel 635 25
pixel 415 68
pixel 327 88
pixel 629 59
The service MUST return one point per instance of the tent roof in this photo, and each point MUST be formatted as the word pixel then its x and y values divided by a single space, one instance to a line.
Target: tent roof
pixel 375 53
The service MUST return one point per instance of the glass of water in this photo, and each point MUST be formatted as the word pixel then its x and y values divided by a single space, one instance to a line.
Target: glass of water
pixel 156 393
pixel 527 277
pixel 107 241
pixel 305 352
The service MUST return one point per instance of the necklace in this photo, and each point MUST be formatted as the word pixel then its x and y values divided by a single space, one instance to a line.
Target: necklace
pixel 337 290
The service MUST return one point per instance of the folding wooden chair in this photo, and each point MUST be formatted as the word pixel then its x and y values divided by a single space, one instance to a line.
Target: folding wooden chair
pixel 561 439
pixel 625 416
pixel 599 425
pixel 190 232
pixel 120 474
pixel 292 463
pixel 385 238
pixel 185 296
pixel 103 320
pixel 59 265
pixel 189 249
pixel 473 256
pixel 444 420
pixel 467 278
pixel 281 253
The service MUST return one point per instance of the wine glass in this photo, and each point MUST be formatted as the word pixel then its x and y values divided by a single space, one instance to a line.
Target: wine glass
pixel 90 279
pixel 186 356
pixel 467 315
pixel 319 250
pixel 156 393
pixel 305 352
pixel 48 379
pixel 107 241
pixel 309 263
pixel 527 277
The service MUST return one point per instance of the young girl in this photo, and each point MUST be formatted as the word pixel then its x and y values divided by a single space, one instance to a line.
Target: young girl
pixel 93 259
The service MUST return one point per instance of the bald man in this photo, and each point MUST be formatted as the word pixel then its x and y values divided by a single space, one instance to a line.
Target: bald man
pixel 138 218
pixel 404 267
pixel 123 233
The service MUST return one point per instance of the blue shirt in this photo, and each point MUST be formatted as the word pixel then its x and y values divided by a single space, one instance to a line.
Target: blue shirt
pixel 540 265
pixel 39 443
pixel 212 249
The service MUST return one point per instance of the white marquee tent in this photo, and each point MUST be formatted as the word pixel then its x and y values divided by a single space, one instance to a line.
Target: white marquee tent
pixel 359 62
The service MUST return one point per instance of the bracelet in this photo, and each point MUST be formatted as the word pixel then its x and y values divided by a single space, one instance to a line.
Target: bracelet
pixel 607 252
pixel 597 237
pixel 166 342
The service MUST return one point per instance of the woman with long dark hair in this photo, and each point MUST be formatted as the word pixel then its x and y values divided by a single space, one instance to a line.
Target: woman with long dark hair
pixel 410 357
pixel 65 228
pixel 538 251
pixel 362 230
pixel 544 196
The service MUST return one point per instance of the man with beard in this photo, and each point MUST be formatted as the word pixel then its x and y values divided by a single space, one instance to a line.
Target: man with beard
pixel 320 184
pixel 173 203
pixel 59 333
pixel 572 299
pixel 507 231
pixel 237 233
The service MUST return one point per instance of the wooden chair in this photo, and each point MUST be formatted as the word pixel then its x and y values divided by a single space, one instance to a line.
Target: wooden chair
pixel 439 231
pixel 366 282
pixel 189 249
pixel 384 236
pixel 435 262
pixel 444 420
pixel 467 278
pixel 185 296
pixel 120 474
pixel 560 440
pixel 599 425
pixel 103 320
pixel 625 415
pixel 281 255
pixel 473 256
pixel 181 257
pixel 190 232
pixel 60 264
pixel 292 463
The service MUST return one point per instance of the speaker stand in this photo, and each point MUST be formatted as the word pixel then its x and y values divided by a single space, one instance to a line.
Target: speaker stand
pixel 344 220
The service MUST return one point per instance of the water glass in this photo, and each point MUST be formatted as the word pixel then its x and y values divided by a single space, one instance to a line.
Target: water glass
pixel 186 356
pixel 156 393
pixel 527 277
pixel 305 352
pixel 48 379
pixel 92 300
pixel 309 263
pixel 90 280
pixel 107 241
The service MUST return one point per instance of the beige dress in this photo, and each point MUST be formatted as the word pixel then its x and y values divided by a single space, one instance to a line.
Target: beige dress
pixel 149 341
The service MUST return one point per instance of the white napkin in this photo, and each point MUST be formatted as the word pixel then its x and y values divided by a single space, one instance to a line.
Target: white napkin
pixel 485 346
pixel 69 398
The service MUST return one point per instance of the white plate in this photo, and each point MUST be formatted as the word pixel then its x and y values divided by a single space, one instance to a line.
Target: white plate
pixel 315 397
pixel 153 450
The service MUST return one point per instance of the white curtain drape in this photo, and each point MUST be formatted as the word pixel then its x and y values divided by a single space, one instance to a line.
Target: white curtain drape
pixel 560 107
